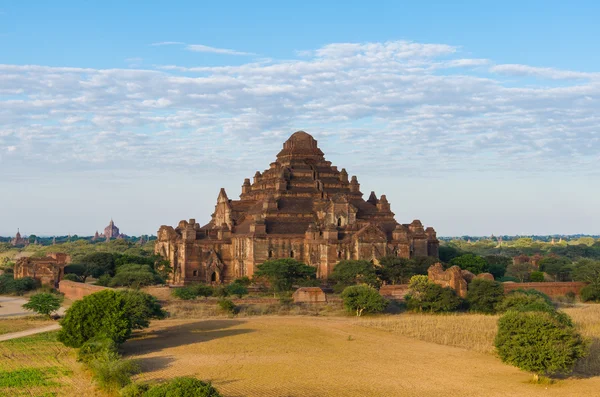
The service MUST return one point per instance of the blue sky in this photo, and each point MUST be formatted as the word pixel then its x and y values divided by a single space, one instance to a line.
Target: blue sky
pixel 477 118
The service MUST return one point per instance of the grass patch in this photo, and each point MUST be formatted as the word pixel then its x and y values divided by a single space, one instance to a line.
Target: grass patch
pixel 22 324
pixel 28 377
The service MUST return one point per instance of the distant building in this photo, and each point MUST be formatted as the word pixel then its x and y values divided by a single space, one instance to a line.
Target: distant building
pixel 110 232
pixel 18 240
pixel 48 270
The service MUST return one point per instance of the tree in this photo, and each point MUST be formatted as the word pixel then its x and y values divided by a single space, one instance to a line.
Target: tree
pixel 141 308
pixel 484 295
pixel 526 301
pixel 558 267
pixel 353 272
pixel 363 298
pixel 520 270
pixel 395 270
pixel 237 289
pixel 425 296
pixel 448 252
pixel 103 313
pixel 135 275
pixel 539 342
pixel 43 303
pixel 422 263
pixel 95 264
pixel 473 263
pixel 588 270
pixel 282 274
pixel 497 264
pixel 536 277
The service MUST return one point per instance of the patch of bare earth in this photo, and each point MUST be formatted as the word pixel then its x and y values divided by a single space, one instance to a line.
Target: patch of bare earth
pixel 313 356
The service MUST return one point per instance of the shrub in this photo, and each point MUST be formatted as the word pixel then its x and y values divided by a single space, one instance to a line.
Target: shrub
pixel 509 278
pixel 395 270
pixel 536 277
pixel 590 293
pixel 104 280
pixel 12 286
pixel 353 272
pixel 237 289
pixel 363 298
pixel 473 263
pixel 71 277
pixel 526 301
pixel 44 303
pixel 134 390
pixel 100 314
pixel 135 275
pixel 228 306
pixel 430 297
pixel 202 290
pixel 245 281
pixel 538 342
pixel 220 292
pixel 113 373
pixel 97 349
pixel 185 293
pixel 282 274
pixel 484 295
pixel 141 308
pixel 184 387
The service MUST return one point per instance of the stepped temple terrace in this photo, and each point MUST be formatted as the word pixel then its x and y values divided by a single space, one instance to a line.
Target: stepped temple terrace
pixel 301 207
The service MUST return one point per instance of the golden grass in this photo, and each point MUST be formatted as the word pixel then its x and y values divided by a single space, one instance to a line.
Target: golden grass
pixel 44 352
pixel 587 319
pixel 22 324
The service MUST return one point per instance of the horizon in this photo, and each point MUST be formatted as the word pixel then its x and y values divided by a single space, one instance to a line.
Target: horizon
pixel 474 131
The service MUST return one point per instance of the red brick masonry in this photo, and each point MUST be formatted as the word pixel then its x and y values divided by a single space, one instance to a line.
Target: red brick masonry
pixel 550 289
pixel 75 291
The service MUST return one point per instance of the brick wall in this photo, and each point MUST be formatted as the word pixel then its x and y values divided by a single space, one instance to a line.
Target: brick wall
pixel 550 289
pixel 394 291
pixel 75 291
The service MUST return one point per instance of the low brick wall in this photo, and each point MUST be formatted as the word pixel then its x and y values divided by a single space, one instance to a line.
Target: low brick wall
pixel 550 289
pixel 75 291
pixel 394 291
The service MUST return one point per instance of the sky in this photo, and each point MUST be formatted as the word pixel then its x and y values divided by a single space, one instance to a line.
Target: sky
pixel 476 117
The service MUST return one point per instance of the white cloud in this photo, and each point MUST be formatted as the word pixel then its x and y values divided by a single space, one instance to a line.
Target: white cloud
pixel 547 73
pixel 214 50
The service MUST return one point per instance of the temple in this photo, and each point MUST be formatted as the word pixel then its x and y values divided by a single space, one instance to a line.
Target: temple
pixel 18 240
pixel 110 232
pixel 301 207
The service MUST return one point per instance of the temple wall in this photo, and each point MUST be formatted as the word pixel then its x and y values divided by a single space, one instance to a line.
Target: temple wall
pixel 550 289
pixel 74 291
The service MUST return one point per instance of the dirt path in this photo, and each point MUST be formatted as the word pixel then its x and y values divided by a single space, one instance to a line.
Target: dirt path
pixel 29 332
pixel 311 356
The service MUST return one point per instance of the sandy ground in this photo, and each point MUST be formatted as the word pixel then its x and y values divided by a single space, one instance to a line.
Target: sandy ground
pixel 312 356
pixel 12 306
pixel 29 332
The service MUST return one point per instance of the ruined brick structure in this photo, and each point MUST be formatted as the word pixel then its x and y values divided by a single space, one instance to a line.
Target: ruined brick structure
pixel 48 270
pixel 302 207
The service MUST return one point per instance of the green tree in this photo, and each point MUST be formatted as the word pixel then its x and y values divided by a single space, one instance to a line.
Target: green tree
pixel 395 270
pixel 135 275
pixel 425 296
pixel 588 270
pixel 497 264
pixel 539 342
pixel 536 277
pixel 283 274
pixel 103 313
pixel 237 289
pixel 520 270
pixel 558 267
pixel 526 301
pixel 43 303
pixel 96 264
pixel 447 252
pixel 353 272
pixel 422 263
pixel 141 308
pixel 184 387
pixel 473 263
pixel 363 298
pixel 484 295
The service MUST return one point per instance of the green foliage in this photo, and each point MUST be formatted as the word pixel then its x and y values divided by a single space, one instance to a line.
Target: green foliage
pixel 425 296
pixel 97 349
pixel 11 286
pixel 484 295
pixel 135 275
pixel 590 293
pixel 103 313
pixel 72 277
pixel 363 298
pixel 141 308
pixel 183 387
pixel 95 264
pixel 538 342
pixel 473 263
pixel 526 301
pixel 104 280
pixel 202 290
pixel 558 267
pixel 422 263
pixel 220 291
pixel 134 390
pixel 395 270
pixel 283 274
pixel 354 272
pixel 228 306
pixel 448 252
pixel 44 303
pixel 509 278
pixel 497 264
pixel 245 281
pixel 536 277
pixel 112 373
pixel 184 293
pixel 237 289
pixel 588 270
pixel 28 377
pixel 520 270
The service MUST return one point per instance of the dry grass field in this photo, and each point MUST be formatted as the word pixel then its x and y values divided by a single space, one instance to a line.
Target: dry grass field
pixel 22 324
pixel 333 356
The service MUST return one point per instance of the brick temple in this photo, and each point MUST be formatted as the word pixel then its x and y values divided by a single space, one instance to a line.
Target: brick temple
pixel 301 207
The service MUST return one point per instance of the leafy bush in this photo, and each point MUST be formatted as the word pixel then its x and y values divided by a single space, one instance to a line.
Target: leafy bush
pixel 228 306
pixel 141 308
pixel 134 390
pixel 354 272
pixel 363 298
pixel 44 303
pixel 509 278
pixel 104 280
pixel 11 286
pixel 202 290
pixel 526 301
pixel 237 289
pixel 113 373
pixel 103 313
pixel 538 342
pixel 395 270
pixel 183 387
pixel 134 275
pixel 497 264
pixel 425 296
pixel 71 277
pixel 245 281
pixel 473 263
pixel 536 277
pixel 220 292
pixel 484 295
pixel 97 349
pixel 185 293
pixel 283 274
pixel 590 293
